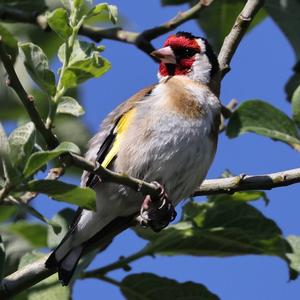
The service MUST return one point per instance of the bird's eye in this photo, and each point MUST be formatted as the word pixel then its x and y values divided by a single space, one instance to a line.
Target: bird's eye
pixel 189 52
pixel 185 52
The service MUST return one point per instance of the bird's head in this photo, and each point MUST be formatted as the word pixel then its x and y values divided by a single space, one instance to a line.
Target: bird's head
pixel 184 54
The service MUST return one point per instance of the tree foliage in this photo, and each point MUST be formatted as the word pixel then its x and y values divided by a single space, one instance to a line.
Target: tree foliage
pixel 223 225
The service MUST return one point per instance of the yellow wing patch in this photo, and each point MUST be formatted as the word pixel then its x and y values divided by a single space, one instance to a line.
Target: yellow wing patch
pixel 121 127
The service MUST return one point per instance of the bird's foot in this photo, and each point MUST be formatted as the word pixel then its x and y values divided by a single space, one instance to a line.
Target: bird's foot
pixel 157 213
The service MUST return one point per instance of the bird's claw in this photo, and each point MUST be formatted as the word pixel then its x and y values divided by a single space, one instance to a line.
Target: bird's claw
pixel 157 213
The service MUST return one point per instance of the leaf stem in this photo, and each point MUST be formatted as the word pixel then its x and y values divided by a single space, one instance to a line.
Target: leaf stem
pixel 69 45
pixel 120 264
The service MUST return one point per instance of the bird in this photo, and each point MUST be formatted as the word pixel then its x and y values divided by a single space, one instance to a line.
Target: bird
pixel 166 134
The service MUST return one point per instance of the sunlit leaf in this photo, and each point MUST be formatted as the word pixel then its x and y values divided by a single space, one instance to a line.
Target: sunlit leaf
pixel 21 142
pixel 296 105
pixel 244 196
pixel 58 20
pixel 102 9
pixel 60 191
pixel 68 105
pixel 262 118
pixel 39 159
pixel 294 256
pixel 83 70
pixel 85 63
pixel 147 286
pixel 37 66
pixel 9 173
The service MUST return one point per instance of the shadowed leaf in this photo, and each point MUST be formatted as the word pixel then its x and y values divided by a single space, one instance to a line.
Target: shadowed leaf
pixel 65 192
pixel 49 288
pixel 147 286
pixel 34 233
pixel 38 159
pixel 218 228
pixel 64 219
pixel 262 118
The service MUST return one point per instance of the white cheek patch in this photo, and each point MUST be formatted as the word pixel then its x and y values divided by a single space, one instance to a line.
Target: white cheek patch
pixel 202 45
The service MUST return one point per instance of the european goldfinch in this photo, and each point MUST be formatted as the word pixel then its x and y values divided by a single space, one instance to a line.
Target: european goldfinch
pixel 165 133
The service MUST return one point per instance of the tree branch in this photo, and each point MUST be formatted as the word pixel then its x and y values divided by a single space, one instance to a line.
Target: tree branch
pixel 244 182
pixel 236 34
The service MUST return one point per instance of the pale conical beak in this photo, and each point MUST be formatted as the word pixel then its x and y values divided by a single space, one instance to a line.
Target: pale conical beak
pixel 165 55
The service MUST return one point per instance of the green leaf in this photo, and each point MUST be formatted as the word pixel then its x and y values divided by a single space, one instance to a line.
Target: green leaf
pixel 294 256
pixel 10 43
pixel 49 288
pixel 60 191
pixel 65 127
pixel 34 233
pixel 79 72
pixel 21 142
pixel 219 17
pixel 68 105
pixel 58 20
pixel 6 212
pixel 104 8
pixel 63 218
pixel 81 50
pixel 85 63
pixel 147 286
pixel 31 210
pixel 296 106
pixel 36 63
pixel 241 196
pixel 38 159
pixel 219 229
pixel 10 174
pixel 2 258
pixel 262 118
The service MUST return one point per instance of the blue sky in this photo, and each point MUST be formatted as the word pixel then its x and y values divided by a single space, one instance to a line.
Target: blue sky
pixel 260 69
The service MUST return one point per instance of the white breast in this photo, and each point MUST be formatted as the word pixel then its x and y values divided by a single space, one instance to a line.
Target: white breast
pixel 167 147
